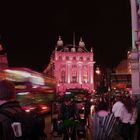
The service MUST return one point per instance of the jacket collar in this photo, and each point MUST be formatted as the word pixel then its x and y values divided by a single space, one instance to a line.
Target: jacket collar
pixel 10 104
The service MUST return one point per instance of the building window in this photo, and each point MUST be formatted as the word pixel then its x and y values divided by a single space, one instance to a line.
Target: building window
pixel 85 67
pixel 81 58
pixel 85 80
pixel 74 76
pixel 85 74
pixel 63 66
pixel 74 58
pixel 74 66
pixel 74 79
pixel 66 49
pixel 60 57
pixel 67 57
pixel 63 76
pixel 88 58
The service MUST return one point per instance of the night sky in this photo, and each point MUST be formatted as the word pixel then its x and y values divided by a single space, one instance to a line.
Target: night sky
pixel 29 29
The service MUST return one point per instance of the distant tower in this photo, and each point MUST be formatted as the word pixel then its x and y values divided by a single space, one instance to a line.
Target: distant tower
pixel 3 58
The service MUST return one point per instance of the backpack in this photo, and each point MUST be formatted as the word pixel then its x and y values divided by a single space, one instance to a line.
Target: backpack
pixel 25 126
pixel 104 127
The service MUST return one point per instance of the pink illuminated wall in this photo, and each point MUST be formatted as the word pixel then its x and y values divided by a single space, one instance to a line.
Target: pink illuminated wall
pixel 73 67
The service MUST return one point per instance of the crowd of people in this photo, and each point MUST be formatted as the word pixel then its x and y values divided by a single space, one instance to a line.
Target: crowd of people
pixel 116 118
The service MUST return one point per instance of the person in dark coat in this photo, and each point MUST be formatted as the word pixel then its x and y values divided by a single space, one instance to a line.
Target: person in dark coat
pixel 87 111
pixel 8 102
pixel 15 123
pixel 138 118
pixel 68 113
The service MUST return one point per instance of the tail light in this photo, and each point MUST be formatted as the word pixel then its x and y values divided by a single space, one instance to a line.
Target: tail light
pixel 44 107
pixel 27 110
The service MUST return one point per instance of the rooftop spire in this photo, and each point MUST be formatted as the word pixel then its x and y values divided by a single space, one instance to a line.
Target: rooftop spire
pixel 81 43
pixel 73 39
pixel 91 50
pixel 60 42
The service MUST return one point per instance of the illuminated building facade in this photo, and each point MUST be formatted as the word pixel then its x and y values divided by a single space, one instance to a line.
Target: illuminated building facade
pixel 73 66
pixel 121 79
pixel 135 53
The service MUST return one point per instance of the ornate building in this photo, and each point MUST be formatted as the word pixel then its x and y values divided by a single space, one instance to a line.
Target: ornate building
pixel 3 58
pixel 73 66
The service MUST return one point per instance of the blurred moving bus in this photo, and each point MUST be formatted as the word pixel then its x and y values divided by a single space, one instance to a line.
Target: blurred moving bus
pixel 34 90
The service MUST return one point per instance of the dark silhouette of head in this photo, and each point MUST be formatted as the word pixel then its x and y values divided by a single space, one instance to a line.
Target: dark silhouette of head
pixel 7 90
pixel 103 106
pixel 129 104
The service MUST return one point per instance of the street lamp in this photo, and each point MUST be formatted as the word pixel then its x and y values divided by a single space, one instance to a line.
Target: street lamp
pixel 98 73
